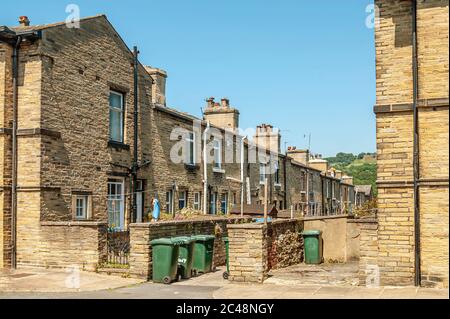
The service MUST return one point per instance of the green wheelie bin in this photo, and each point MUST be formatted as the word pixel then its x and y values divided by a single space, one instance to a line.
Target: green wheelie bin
pixel 165 259
pixel 227 247
pixel 312 240
pixel 185 256
pixel 203 253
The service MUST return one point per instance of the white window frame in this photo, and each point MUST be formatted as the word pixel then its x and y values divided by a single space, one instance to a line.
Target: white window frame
pixel 184 199
pixel 197 201
pixel 262 173
pixel 277 173
pixel 113 200
pixel 121 113
pixel 191 157
pixel 169 201
pixel 85 206
pixel 217 147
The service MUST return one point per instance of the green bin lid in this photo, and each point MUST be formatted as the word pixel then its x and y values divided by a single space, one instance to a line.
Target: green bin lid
pixel 162 241
pixel 183 239
pixel 203 237
pixel 311 232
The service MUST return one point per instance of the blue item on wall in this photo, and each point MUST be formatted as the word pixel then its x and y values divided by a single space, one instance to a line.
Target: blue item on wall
pixel 156 209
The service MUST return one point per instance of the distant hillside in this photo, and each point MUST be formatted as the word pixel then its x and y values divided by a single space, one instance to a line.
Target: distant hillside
pixel 363 167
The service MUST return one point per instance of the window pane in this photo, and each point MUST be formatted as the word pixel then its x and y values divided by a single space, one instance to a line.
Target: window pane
pixel 181 200
pixel 191 152
pixel 81 206
pixel 115 100
pixel 217 154
pixel 115 125
pixel 115 205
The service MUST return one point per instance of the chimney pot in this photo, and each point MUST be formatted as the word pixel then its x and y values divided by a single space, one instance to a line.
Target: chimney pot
pixel 24 21
pixel 210 102
pixel 225 102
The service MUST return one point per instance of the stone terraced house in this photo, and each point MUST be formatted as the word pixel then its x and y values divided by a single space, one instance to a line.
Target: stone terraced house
pixel 66 149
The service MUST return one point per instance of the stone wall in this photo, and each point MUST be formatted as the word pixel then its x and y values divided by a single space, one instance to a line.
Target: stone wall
pixel 142 233
pixel 368 261
pixel 256 248
pixel 334 236
pixel 62 244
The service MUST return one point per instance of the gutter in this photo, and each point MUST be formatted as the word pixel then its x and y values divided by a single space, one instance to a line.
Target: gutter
pixel 242 174
pixel 416 160
pixel 135 167
pixel 15 73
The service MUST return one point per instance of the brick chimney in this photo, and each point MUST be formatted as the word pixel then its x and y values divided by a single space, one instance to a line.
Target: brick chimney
pixel 24 21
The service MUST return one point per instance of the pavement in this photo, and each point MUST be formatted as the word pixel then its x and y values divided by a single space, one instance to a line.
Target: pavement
pixel 41 280
pixel 272 291
pixel 328 274
pixel 52 284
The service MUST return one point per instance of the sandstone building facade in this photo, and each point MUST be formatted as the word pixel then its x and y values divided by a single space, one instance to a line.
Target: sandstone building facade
pixel 73 149
pixel 412 74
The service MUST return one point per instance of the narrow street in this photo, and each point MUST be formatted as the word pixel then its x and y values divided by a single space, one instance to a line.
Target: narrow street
pixel 285 284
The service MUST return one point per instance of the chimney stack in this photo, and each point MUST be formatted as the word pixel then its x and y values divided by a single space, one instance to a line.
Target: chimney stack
pixel 268 138
pixel 221 114
pixel 24 21
pixel 159 78
pixel 301 156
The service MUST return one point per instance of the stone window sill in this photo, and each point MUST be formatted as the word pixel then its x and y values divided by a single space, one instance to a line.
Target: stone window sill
pixel 218 170
pixel 86 223
pixel 118 145
pixel 191 167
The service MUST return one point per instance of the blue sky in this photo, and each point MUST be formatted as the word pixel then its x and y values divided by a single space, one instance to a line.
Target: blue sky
pixel 302 66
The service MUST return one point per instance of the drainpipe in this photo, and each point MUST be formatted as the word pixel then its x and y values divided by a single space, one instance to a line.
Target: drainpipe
pixel 285 182
pixel 135 133
pixel 242 174
pixel 14 154
pixel 416 163
pixel 205 171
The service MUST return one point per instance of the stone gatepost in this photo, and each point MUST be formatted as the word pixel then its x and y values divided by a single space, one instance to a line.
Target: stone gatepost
pixel 140 251
pixel 248 252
